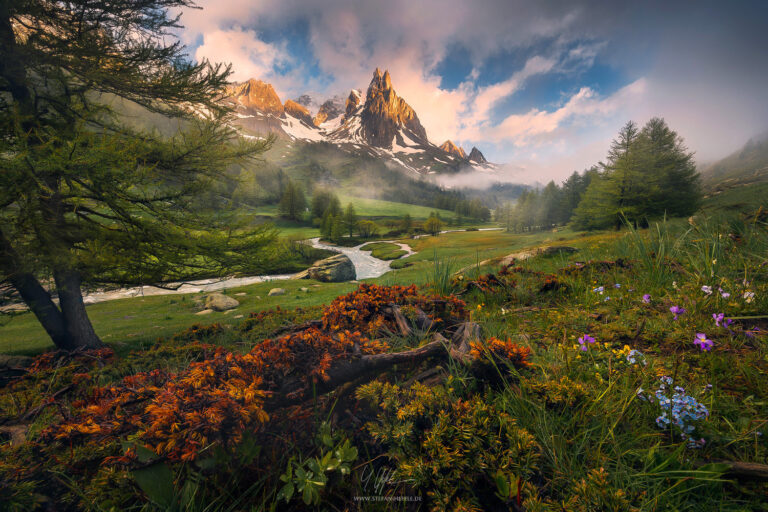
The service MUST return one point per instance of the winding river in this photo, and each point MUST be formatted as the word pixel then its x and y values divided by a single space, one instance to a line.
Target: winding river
pixel 366 267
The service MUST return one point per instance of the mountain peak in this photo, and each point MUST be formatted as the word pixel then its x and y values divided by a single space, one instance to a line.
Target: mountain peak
pixel 353 100
pixel 387 80
pixel 256 95
pixel 476 156
pixel 384 114
pixel 452 149
pixel 298 111
pixel 330 110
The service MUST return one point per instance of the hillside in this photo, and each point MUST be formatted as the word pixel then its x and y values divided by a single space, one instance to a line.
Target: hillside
pixel 747 166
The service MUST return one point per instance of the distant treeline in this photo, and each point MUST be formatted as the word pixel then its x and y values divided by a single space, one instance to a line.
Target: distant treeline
pixel 649 173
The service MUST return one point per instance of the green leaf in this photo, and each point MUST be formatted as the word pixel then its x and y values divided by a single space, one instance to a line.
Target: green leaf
pixel 286 492
pixel 157 482
pixel 502 484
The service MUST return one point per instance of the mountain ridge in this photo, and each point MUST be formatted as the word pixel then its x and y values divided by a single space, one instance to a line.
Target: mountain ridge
pixel 378 123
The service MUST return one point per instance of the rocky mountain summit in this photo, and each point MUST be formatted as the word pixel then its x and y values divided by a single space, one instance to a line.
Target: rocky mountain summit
pixel 452 149
pixel 385 113
pixel 256 97
pixel 378 124
pixel 476 156
pixel 298 111
pixel 331 109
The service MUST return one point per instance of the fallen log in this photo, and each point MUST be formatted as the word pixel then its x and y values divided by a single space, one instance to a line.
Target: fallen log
pixel 361 369
pixel 745 470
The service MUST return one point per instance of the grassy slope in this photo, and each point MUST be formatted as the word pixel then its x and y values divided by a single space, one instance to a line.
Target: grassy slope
pixel 365 207
pixel 139 321
pixel 597 445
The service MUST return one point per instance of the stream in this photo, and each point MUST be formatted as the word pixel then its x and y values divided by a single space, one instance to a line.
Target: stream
pixel 366 267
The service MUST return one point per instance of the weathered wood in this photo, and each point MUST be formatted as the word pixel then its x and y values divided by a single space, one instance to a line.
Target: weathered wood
pixel 400 320
pixel 746 470
pixel 364 368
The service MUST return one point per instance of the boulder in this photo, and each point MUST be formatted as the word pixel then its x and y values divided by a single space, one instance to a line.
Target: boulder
pixel 336 269
pixel 276 291
pixel 220 302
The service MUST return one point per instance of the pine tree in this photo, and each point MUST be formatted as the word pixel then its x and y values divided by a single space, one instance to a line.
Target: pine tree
pixel 86 197
pixel 337 228
pixel 293 203
pixel 406 225
pixel 350 220
pixel 670 166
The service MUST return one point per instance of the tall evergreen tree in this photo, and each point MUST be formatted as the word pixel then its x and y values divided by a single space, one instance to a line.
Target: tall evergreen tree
pixel 649 173
pixel 670 165
pixel 350 220
pixel 293 203
pixel 87 198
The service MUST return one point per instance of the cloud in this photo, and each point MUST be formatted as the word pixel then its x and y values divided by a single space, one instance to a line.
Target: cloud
pixel 249 56
pixel 702 69
pixel 584 106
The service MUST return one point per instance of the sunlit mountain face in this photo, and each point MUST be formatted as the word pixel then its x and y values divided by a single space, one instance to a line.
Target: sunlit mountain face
pixel 539 88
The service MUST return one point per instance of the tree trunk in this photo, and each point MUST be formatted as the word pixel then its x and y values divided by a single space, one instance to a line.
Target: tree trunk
pixel 35 296
pixel 76 321
pixel 40 303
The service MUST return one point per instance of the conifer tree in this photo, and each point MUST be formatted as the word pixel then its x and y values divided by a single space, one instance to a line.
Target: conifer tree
pixel 350 220
pixel 293 203
pixel 86 198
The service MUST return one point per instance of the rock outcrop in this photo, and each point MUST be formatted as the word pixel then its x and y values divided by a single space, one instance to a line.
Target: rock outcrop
pixel 298 111
pixel 335 269
pixel 330 110
pixel 257 97
pixel 220 302
pixel 452 149
pixel 385 113
pixel 476 156
pixel 353 101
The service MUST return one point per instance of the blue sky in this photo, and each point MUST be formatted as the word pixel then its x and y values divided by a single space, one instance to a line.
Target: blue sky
pixel 539 86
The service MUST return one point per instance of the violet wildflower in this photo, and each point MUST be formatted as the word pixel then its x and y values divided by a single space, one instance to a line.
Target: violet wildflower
pixel 617 285
pixel 647 298
pixel 727 322
pixel 599 289
pixel 702 342
pixel 724 294
pixel 583 340
pixel 677 311
pixel 718 318
pixel 707 289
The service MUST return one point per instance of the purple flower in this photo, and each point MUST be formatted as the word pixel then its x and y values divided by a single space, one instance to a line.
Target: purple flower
pixel 727 323
pixel 617 285
pixel 707 289
pixel 599 289
pixel 583 340
pixel 718 318
pixel 647 298
pixel 702 342
pixel 724 294
pixel 677 311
